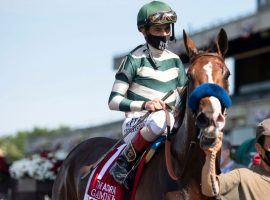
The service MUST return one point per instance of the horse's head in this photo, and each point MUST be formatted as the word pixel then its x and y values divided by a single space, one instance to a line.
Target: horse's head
pixel 208 87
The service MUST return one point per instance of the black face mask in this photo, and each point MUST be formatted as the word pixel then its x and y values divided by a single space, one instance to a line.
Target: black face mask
pixel 158 42
pixel 266 158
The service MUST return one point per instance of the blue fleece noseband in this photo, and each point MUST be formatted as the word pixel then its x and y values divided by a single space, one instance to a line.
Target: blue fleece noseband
pixel 207 90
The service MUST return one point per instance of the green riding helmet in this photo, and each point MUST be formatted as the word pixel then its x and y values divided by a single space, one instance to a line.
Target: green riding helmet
pixel 155 13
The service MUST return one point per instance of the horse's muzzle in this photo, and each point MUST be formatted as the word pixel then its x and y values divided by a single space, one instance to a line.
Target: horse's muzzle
pixel 210 128
pixel 202 121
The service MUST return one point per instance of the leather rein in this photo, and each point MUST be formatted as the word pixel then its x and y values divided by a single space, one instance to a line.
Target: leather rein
pixel 168 157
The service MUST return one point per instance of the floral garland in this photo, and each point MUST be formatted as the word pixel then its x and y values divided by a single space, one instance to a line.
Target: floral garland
pixel 43 166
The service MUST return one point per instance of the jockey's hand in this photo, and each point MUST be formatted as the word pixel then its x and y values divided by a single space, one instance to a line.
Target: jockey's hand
pixel 216 148
pixel 155 105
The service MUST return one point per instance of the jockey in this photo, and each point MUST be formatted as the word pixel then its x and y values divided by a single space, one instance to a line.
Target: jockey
pixel 145 75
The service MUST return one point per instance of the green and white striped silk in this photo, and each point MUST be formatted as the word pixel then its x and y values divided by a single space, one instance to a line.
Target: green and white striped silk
pixel 137 80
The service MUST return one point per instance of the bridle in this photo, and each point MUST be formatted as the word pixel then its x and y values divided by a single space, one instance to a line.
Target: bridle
pixel 201 54
pixel 194 141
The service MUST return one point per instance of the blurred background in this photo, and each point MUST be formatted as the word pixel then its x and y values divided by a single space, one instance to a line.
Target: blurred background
pixel 58 60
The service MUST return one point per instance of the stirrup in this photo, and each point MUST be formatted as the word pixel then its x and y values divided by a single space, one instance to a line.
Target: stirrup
pixel 120 173
pixel 120 169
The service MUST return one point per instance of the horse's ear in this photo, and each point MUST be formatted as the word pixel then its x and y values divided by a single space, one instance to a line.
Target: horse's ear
pixel 190 45
pixel 222 42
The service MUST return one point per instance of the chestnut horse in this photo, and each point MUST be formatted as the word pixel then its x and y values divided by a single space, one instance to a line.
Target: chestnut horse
pixel 187 157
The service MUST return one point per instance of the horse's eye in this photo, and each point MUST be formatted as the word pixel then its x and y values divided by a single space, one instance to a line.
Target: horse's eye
pixel 227 75
pixel 188 76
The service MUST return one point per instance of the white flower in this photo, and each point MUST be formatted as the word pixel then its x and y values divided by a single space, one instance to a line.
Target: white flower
pixel 20 168
pixel 37 167
pixel 60 155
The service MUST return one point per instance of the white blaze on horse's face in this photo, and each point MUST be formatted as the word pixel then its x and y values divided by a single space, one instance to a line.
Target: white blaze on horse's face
pixel 216 113
pixel 218 117
pixel 209 72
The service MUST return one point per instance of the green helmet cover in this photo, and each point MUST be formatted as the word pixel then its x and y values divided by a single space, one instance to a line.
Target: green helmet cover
pixel 150 9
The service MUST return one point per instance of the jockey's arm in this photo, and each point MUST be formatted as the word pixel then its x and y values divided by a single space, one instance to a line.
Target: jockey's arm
pixel 119 101
pixel 210 184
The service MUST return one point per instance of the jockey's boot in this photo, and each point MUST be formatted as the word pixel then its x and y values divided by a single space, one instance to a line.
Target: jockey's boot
pixel 128 157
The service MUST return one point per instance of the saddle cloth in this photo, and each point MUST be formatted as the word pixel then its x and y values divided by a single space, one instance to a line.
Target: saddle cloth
pixel 102 186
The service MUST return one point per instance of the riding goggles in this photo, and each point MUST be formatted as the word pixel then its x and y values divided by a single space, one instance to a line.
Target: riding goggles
pixel 162 17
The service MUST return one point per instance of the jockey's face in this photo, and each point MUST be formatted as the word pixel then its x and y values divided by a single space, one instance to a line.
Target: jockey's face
pixel 262 151
pixel 267 143
pixel 160 30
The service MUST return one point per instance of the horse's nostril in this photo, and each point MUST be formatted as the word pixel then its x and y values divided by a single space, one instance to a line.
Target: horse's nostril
pixel 221 118
pixel 202 120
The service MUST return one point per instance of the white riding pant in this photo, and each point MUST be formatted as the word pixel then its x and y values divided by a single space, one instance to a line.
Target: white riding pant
pixel 154 125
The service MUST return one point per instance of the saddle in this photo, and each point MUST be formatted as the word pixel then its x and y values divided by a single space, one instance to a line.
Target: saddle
pixel 101 184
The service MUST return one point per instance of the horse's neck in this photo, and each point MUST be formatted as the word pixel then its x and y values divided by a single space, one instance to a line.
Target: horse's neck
pixel 184 135
pixel 186 159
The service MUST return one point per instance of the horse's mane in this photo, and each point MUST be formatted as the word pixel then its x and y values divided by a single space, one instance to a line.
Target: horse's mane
pixel 183 97
pixel 181 105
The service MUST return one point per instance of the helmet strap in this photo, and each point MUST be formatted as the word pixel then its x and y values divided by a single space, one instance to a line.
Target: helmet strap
pixel 172 38
pixel 152 61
